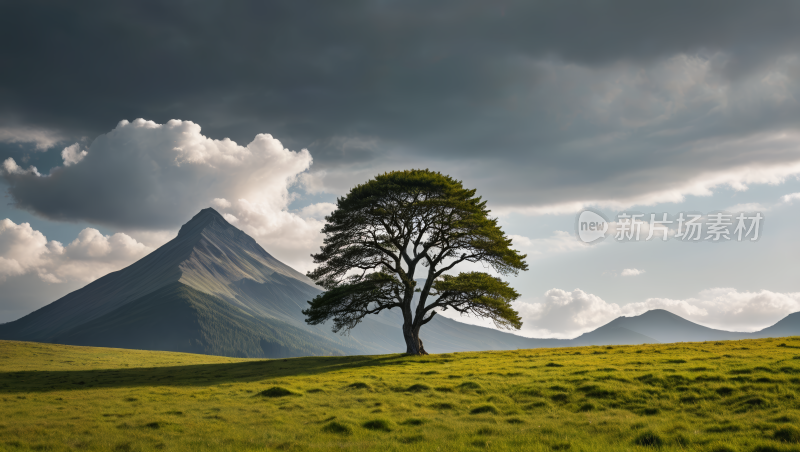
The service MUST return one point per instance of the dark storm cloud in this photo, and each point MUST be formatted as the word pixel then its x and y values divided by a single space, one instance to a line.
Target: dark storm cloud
pixel 518 87
pixel 313 70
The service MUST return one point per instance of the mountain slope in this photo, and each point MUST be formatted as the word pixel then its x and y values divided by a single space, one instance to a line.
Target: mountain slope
pixel 112 291
pixel 612 335
pixel 788 326
pixel 664 326
pixel 181 319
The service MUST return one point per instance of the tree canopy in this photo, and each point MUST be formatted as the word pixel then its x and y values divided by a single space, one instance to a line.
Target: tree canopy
pixel 403 226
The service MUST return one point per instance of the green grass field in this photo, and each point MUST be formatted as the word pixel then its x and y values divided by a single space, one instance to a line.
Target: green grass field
pixel 711 396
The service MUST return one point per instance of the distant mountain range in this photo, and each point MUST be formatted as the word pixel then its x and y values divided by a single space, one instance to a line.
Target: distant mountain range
pixel 214 290
pixel 659 325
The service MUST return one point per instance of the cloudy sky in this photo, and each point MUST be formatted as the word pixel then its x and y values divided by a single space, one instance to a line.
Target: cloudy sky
pixel 119 122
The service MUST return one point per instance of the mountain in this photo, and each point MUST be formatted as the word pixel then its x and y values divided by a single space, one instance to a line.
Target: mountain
pixel 788 326
pixel 659 325
pixel 214 290
pixel 664 326
pixel 210 271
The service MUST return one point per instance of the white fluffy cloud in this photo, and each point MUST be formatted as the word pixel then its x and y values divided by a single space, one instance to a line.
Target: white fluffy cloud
pixel 91 255
pixel 631 272
pixel 790 197
pixel 72 154
pixel 318 211
pixel 11 168
pixel 148 176
pixel 220 203
pixel 759 207
pixel 565 314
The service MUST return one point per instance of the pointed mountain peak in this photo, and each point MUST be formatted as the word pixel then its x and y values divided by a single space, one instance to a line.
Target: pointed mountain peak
pixel 653 317
pixel 207 218
pixel 657 313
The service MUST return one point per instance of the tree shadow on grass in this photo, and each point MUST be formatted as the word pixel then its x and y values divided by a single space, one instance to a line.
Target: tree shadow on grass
pixel 191 375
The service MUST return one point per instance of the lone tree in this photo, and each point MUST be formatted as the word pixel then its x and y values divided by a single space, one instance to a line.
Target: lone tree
pixel 383 231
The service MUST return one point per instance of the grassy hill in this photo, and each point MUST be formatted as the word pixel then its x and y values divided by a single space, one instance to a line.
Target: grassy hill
pixel 708 396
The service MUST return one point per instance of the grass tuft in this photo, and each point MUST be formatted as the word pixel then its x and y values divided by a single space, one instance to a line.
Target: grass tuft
pixel 488 408
pixel 378 424
pixel 414 422
pixel 419 387
pixel 725 391
pixel 358 385
pixel 755 401
pixel 770 448
pixel 722 448
pixel 337 428
pixel 649 438
pixel 536 404
pixel 276 391
pixel 788 434
pixel 469 385
pixel 786 419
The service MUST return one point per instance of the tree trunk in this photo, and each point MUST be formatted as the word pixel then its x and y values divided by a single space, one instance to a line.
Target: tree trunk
pixel 421 348
pixel 413 342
